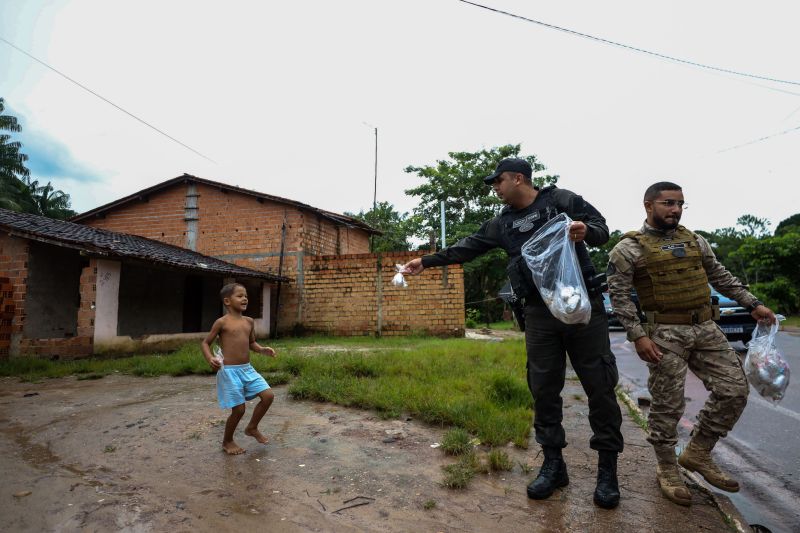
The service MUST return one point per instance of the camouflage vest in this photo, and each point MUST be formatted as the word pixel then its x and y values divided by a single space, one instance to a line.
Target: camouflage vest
pixel 673 280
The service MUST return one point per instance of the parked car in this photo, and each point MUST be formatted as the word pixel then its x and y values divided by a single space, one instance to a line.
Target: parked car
pixel 734 320
pixel 613 321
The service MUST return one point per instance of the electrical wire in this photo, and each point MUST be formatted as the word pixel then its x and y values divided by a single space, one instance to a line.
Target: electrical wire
pixel 106 100
pixel 631 48
pixel 760 139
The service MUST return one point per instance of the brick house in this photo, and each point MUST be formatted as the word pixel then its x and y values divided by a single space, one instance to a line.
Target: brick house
pixel 69 290
pixel 289 238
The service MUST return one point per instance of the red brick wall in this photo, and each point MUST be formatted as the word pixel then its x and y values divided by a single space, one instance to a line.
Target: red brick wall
pixel 14 266
pixel 159 218
pixel 243 230
pixel 346 296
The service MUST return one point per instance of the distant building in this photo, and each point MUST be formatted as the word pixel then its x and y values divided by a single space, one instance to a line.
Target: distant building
pixel 289 238
pixel 70 290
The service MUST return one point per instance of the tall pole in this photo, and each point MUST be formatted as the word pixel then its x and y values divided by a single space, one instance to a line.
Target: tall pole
pixel 375 188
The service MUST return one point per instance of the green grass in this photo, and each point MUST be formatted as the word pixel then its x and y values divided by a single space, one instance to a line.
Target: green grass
pixel 504 325
pixel 474 385
pixel 499 461
pixel 456 442
pixel 792 321
pixel 458 475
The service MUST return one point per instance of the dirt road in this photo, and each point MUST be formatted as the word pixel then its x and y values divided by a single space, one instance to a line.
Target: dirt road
pixel 136 454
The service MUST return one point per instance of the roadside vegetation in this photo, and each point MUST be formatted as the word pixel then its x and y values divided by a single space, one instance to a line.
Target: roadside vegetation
pixel 476 386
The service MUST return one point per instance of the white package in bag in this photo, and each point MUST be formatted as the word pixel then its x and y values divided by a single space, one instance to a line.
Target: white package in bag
pixel 766 369
pixel 553 262
pixel 398 280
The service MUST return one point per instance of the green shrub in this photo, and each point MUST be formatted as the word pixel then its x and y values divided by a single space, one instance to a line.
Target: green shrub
pixel 780 295
pixel 499 461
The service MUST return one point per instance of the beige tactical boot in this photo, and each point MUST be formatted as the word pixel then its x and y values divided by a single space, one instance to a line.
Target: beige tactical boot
pixel 696 457
pixel 672 486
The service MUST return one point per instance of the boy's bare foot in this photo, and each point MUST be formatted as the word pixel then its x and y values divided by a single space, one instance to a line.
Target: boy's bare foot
pixel 256 434
pixel 231 448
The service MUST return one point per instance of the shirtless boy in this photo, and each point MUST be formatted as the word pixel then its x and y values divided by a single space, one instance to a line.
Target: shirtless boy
pixel 237 380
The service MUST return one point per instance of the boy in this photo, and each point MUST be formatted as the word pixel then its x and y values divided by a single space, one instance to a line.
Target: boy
pixel 237 380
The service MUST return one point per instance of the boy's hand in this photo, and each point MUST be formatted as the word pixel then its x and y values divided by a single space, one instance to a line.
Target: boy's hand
pixel 266 350
pixel 215 363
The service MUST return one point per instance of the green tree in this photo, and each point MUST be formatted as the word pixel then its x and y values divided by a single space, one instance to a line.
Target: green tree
pixel 772 262
pixel 788 225
pixel 599 254
pixel 753 226
pixel 396 227
pixel 12 164
pixel 458 181
pixel 18 192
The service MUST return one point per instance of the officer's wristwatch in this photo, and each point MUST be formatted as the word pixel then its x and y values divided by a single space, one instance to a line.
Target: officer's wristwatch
pixel 752 306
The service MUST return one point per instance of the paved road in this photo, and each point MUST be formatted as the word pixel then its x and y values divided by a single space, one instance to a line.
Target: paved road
pixel 761 451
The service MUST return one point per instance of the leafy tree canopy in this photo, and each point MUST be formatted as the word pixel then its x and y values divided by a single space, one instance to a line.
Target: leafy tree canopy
pixel 458 181
pixel 396 227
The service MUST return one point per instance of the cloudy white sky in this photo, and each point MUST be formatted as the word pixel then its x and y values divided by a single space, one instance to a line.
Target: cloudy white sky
pixel 277 94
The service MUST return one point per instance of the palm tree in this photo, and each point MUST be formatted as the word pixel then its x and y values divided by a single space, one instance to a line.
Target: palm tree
pixel 18 191
pixel 12 164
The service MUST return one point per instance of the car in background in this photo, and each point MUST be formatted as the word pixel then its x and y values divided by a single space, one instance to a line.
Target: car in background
pixel 613 321
pixel 734 320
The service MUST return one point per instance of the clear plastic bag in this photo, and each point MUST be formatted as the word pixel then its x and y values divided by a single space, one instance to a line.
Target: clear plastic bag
pixel 398 280
pixel 218 355
pixel 766 369
pixel 551 258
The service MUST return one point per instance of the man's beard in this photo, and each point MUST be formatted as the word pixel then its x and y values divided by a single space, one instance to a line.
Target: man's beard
pixel 662 224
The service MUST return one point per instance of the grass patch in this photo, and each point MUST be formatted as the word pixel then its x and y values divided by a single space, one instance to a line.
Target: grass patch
pixel 456 442
pixel 504 325
pixel 477 386
pixel 525 467
pixel 458 475
pixel 429 504
pixel 792 321
pixel 499 461
pixel 636 414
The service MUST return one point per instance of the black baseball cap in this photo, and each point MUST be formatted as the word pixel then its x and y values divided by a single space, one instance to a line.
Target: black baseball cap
pixel 512 164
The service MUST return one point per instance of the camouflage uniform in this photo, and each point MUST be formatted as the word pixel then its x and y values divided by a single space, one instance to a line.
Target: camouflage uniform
pixel 700 346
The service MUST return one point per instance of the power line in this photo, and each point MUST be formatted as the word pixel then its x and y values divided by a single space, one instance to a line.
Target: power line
pixel 754 141
pixel 106 100
pixel 632 48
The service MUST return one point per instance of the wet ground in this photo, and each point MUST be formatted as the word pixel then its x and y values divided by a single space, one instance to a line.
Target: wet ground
pixel 137 454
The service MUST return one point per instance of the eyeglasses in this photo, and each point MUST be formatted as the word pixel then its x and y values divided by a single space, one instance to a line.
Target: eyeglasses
pixel 672 203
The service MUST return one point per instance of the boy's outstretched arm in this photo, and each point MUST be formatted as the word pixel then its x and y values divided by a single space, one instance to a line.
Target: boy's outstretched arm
pixel 254 346
pixel 205 346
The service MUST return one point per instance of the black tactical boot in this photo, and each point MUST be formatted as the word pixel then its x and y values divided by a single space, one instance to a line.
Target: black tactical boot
pixel 606 495
pixel 552 475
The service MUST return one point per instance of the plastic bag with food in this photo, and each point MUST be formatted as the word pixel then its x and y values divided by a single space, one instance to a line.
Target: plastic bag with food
pixel 766 369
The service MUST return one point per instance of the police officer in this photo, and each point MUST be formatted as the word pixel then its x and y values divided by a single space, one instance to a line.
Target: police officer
pixel 670 267
pixel 547 339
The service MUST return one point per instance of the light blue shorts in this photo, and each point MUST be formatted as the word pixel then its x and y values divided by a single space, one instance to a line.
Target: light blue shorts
pixel 238 383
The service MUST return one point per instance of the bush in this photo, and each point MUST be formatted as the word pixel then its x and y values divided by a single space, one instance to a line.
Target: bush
pixel 780 295
pixel 473 316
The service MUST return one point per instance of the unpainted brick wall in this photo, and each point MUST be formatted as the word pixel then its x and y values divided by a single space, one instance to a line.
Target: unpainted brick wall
pixel 244 230
pixel 353 295
pixel 14 266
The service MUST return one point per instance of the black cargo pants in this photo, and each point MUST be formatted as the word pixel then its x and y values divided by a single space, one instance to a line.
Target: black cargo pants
pixel 548 341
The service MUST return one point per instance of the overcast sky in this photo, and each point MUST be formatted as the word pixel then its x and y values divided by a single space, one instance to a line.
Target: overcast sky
pixel 277 94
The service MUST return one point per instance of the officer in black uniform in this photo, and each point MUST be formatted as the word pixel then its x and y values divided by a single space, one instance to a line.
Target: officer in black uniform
pixel 547 339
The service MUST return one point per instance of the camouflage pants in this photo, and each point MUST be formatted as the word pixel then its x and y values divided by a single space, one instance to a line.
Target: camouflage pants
pixel 704 349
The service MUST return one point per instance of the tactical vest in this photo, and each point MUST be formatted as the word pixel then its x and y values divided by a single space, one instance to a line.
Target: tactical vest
pixel 673 285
